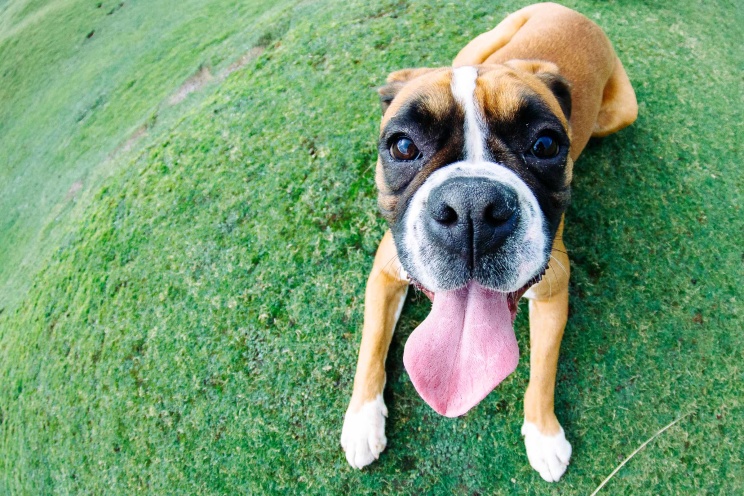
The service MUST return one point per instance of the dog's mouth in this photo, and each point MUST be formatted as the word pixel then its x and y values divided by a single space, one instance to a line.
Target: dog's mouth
pixel 465 347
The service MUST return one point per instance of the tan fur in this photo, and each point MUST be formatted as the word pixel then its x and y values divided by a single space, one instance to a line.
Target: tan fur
pixel 603 102
pixel 548 317
pixel 599 85
pixel 528 73
pixel 619 106
pixel 503 99
pixel 385 290
pixel 435 82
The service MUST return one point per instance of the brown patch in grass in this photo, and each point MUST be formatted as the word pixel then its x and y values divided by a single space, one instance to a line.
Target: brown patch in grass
pixel 192 84
pixel 131 141
pixel 74 190
pixel 203 76
pixel 252 54
pixel 136 135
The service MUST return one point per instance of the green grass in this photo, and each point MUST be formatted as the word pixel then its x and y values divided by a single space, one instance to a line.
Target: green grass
pixel 193 323
pixel 80 77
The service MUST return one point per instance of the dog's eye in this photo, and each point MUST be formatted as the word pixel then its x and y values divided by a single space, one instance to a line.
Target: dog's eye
pixel 404 149
pixel 545 146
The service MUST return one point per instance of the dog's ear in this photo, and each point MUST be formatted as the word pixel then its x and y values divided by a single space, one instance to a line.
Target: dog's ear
pixel 395 81
pixel 547 72
pixel 560 88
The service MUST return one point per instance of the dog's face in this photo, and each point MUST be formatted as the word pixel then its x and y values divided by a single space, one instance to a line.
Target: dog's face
pixel 474 172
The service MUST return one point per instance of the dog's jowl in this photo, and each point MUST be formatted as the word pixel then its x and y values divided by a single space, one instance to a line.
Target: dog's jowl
pixel 474 176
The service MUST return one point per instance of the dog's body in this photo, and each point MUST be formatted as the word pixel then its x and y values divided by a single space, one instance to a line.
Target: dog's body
pixel 474 177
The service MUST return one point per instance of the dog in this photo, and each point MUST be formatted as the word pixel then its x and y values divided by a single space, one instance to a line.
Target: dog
pixel 474 176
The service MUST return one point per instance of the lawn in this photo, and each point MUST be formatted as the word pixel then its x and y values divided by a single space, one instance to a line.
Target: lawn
pixel 181 282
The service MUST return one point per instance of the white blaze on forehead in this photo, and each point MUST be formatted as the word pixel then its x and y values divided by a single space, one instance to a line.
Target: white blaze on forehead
pixel 463 89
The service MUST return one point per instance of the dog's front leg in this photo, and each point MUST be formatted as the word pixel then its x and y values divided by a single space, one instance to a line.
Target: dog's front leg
pixel 547 448
pixel 363 434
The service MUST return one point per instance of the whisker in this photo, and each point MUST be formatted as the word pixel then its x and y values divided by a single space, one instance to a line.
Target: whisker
pixel 392 260
pixel 387 264
pixel 560 264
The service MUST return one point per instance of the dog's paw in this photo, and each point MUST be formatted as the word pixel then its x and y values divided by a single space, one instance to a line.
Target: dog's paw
pixel 363 435
pixel 549 455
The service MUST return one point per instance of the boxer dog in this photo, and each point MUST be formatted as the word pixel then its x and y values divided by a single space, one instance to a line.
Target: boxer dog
pixel 474 175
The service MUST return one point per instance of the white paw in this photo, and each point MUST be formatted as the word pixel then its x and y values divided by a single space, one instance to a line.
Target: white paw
pixel 363 435
pixel 549 455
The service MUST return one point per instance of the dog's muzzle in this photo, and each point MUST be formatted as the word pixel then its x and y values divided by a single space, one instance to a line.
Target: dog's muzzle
pixel 476 222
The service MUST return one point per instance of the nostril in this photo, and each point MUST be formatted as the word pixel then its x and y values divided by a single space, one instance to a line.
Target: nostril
pixel 444 214
pixel 497 215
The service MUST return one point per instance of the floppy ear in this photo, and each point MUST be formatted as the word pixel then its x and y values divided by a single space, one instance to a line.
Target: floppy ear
pixel 547 72
pixel 560 88
pixel 395 81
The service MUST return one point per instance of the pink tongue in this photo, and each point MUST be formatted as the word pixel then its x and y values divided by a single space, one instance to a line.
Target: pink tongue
pixel 464 349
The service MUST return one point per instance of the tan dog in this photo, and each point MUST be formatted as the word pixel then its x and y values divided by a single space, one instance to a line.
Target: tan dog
pixel 474 171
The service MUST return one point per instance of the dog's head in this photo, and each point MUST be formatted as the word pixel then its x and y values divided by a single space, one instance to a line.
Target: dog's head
pixel 473 171
pixel 474 175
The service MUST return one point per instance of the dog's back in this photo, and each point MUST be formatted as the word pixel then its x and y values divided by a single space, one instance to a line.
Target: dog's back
pixel 603 101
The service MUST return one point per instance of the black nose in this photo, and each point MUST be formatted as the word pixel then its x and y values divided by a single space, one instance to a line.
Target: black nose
pixel 471 216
